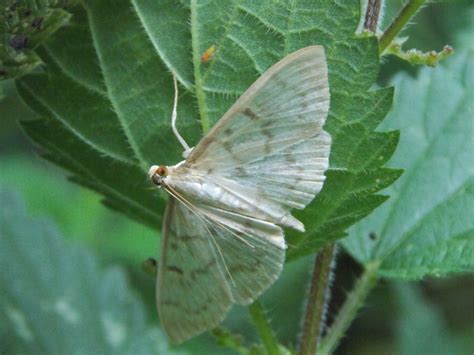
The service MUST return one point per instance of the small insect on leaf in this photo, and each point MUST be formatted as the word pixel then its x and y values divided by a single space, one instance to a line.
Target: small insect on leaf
pixel 208 54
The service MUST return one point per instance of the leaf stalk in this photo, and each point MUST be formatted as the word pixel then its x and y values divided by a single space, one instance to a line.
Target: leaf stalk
pixel 354 301
pixel 318 300
pixel 372 15
pixel 399 22
pixel 264 329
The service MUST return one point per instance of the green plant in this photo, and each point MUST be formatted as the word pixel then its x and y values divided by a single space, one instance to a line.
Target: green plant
pixel 104 102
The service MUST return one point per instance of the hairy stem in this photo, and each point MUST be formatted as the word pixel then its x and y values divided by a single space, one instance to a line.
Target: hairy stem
pixel 372 15
pixel 318 299
pixel 354 301
pixel 264 330
pixel 399 22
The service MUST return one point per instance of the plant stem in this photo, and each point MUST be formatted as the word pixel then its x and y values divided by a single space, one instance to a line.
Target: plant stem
pixel 264 330
pixel 348 312
pixel 318 299
pixel 372 15
pixel 399 22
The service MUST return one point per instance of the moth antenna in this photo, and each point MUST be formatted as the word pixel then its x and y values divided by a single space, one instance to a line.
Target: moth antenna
pixel 181 140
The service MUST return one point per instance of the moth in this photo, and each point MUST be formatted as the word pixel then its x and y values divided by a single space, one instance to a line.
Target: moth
pixel 223 241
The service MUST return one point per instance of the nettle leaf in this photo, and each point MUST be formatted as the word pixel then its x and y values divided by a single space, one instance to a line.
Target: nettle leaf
pixel 115 84
pixel 427 227
pixel 57 300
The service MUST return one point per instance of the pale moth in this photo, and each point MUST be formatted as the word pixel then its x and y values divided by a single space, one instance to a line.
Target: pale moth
pixel 229 199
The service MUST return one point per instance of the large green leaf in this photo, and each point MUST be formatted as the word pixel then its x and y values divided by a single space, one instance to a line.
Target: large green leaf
pixel 427 227
pixel 124 90
pixel 57 300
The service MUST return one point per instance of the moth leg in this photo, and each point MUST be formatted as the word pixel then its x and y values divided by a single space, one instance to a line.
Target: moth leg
pixel 181 140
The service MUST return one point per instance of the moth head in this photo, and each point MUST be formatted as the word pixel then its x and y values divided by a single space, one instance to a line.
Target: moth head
pixel 157 174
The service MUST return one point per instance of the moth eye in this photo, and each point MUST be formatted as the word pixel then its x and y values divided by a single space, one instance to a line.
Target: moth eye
pixel 156 180
pixel 162 170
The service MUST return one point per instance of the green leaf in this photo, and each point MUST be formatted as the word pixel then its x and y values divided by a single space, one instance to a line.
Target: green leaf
pixel 138 85
pixel 113 119
pixel 427 228
pixel 420 328
pixel 104 136
pixel 57 300
pixel 73 51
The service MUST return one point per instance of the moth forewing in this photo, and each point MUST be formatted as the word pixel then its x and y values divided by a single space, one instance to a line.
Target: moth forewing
pixel 222 236
pixel 277 83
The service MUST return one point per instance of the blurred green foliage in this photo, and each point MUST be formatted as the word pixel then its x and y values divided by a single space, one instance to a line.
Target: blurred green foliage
pixel 78 212
pixel 440 308
pixel 57 300
pixel 426 228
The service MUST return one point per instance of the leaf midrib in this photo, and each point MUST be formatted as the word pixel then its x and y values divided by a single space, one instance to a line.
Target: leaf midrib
pixel 198 80
pixel 133 144
pixel 187 84
pixel 78 134
pixel 220 41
